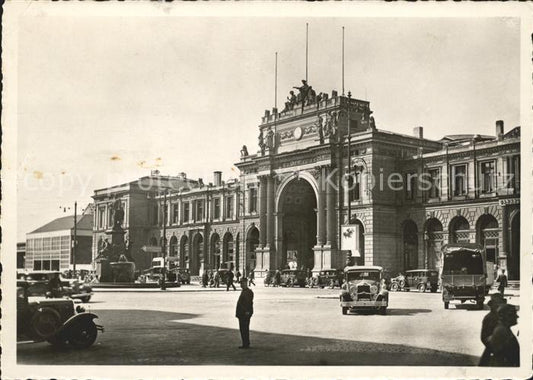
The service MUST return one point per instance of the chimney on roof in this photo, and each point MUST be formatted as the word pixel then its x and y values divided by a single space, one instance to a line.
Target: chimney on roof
pixel 418 132
pixel 217 175
pixel 499 129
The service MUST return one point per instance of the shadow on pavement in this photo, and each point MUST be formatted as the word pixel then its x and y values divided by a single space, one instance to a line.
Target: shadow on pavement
pixel 165 338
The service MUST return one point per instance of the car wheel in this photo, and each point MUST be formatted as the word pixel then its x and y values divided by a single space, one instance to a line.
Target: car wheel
pixel 45 322
pixel 344 310
pixel 394 287
pixel 85 299
pixel 421 288
pixel 83 335
pixel 446 305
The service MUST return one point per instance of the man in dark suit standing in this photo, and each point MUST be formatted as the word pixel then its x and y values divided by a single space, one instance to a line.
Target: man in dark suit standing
pixel 502 280
pixel 245 309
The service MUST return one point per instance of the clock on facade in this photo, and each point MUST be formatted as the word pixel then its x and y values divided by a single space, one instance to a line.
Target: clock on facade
pixel 298 133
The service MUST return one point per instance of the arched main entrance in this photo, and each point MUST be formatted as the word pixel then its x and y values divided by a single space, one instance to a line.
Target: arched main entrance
pixel 513 260
pixel 197 254
pixel 459 230
pixel 410 245
pixel 298 219
pixel 434 238
pixel 252 241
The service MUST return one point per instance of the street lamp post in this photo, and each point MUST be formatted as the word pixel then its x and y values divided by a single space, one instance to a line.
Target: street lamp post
pixel 349 171
pixel 75 237
pixel 164 243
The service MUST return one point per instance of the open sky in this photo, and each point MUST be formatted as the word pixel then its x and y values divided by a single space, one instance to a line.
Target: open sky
pixel 103 100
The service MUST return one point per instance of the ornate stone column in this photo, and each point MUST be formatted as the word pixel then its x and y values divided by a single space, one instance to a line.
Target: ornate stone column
pixel 262 211
pixel 330 210
pixel 270 211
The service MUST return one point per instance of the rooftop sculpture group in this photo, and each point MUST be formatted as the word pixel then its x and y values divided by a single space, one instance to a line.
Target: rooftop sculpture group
pixel 306 96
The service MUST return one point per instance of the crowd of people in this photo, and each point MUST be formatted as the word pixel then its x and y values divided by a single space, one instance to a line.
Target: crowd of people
pixel 214 278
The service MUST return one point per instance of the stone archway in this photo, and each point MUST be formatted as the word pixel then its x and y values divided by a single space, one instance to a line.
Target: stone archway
pixel 184 252
pixel 513 260
pixel 197 256
pixel 228 251
pixel 215 251
pixel 252 241
pixel 459 230
pixel 434 238
pixel 410 245
pixel 297 224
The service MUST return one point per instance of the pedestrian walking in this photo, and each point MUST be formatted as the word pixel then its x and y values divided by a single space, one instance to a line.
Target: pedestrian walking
pixel 229 280
pixel 238 276
pixel 205 279
pixel 245 310
pixel 217 279
pixel 503 344
pixel 502 282
pixel 277 278
pixel 490 321
pixel 251 278
pixel 211 279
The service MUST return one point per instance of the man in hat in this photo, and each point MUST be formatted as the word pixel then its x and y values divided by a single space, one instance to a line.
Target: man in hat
pixel 503 343
pixel 245 309
pixel 488 325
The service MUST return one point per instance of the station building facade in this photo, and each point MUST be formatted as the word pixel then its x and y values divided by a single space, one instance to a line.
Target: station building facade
pixel 321 164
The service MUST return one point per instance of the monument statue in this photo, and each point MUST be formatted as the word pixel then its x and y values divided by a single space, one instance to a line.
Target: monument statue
pixel 244 151
pixel 291 101
pixel 261 142
pixel 118 214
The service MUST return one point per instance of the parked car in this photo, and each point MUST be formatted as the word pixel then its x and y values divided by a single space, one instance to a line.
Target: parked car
pixel 37 285
pixel 422 279
pixel 293 277
pixel 398 284
pixel 363 289
pixel 183 276
pixel 330 278
pixel 54 321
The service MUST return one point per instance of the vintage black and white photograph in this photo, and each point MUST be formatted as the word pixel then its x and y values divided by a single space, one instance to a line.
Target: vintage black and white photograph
pixel 199 190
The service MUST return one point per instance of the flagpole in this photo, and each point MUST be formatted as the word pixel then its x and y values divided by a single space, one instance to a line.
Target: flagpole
pixel 276 83
pixel 306 50
pixel 343 61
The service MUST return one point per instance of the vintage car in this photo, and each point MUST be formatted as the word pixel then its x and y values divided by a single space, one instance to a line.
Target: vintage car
pixel 293 277
pixel 363 289
pixel 37 285
pixel 463 275
pixel 422 279
pixel 330 278
pixel 269 278
pixel 54 321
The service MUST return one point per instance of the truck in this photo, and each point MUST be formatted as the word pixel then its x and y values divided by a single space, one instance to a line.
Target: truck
pixel 464 274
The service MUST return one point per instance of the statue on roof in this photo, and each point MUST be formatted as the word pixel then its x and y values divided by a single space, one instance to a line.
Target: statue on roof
pixel 291 101
pixel 303 92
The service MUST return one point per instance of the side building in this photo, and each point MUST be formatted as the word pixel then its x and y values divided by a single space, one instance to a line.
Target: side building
pixel 51 247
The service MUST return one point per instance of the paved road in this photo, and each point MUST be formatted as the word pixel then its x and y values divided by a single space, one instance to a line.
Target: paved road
pixel 289 327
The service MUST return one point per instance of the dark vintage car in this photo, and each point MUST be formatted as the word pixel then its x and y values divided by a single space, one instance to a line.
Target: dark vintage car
pixel 293 277
pixel 154 274
pixel 330 278
pixel 37 285
pixel 364 289
pixel 422 279
pixel 54 320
